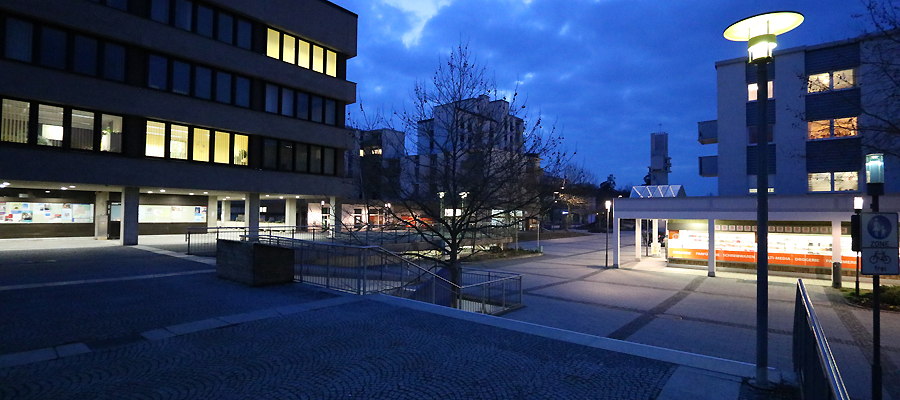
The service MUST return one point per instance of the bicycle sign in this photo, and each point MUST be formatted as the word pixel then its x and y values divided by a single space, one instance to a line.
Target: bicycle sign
pixel 879 244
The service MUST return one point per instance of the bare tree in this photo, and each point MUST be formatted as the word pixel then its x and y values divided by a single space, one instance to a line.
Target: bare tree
pixel 880 64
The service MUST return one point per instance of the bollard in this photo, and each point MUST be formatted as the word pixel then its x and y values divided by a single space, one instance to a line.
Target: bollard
pixel 836 275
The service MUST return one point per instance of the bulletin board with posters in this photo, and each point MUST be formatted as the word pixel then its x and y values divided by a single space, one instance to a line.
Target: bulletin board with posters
pixel 171 214
pixel 45 213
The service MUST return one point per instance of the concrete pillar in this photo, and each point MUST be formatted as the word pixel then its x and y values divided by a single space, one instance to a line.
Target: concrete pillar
pixel 101 217
pixel 290 212
pixel 654 236
pixel 251 213
pixel 128 232
pixel 617 244
pixel 334 213
pixel 637 239
pixel 836 275
pixel 226 212
pixel 212 211
pixel 711 268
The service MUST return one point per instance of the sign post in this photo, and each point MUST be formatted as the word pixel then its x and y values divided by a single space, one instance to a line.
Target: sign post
pixel 879 244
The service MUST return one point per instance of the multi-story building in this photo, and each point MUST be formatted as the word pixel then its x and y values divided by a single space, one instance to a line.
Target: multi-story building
pixel 153 112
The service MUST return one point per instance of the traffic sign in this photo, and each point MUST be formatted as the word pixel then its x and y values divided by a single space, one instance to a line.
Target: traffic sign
pixel 879 244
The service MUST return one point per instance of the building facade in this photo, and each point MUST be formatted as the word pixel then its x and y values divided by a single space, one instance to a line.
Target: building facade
pixel 127 117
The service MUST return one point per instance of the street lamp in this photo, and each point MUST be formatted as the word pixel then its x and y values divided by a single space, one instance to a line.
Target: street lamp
pixel 857 208
pixel 875 188
pixel 760 31
pixel 608 205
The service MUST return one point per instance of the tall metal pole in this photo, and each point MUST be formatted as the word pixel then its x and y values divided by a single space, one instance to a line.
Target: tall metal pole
pixel 607 238
pixel 762 223
pixel 876 326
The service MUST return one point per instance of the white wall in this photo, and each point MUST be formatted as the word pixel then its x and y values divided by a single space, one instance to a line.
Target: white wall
pixel 732 125
pixel 790 129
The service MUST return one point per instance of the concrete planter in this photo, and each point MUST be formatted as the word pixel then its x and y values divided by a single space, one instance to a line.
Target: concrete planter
pixel 254 264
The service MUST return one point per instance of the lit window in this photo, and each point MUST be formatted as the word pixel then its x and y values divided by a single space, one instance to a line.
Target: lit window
pixel 845 127
pixel 836 80
pixel 819 83
pixel 834 181
pixel 201 144
pixel 156 139
pixel 303 54
pixel 111 133
pixel 819 129
pixel 14 125
pixel 82 130
pixel 241 149
pixel 273 44
pixel 362 153
pixel 318 59
pixel 289 49
pixel 178 144
pixel 222 147
pixel 838 127
pixel 846 181
pixel 376 151
pixel 50 126
pixel 331 63
pixel 751 92
pixel 843 79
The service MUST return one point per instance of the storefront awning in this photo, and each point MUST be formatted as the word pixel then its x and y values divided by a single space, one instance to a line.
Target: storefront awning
pixel 655 191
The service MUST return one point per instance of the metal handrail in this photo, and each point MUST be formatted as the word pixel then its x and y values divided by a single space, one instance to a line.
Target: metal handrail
pixel 812 381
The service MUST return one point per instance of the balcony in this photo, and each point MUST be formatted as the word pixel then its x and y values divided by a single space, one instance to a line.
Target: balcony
pixel 709 166
pixel 708 132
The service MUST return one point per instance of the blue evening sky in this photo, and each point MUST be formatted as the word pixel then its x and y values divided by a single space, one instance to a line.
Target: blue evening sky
pixel 608 72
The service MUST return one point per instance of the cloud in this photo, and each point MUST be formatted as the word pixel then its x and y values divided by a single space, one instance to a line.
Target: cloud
pixel 420 12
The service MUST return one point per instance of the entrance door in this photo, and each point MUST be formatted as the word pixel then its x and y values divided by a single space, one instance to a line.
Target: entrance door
pixel 114 212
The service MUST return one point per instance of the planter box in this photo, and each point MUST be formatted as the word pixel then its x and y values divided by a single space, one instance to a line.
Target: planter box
pixel 254 264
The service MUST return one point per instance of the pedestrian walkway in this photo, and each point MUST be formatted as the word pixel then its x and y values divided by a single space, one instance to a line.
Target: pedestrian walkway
pixel 117 322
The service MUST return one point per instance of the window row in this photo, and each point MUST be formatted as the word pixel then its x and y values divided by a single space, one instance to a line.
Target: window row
pixel 753 88
pixel 182 142
pixel 56 48
pixel 55 126
pixel 834 181
pixel 836 127
pixel 834 80
pixel 293 103
pixel 198 81
pixel 283 155
pixel 203 20
pixel 297 51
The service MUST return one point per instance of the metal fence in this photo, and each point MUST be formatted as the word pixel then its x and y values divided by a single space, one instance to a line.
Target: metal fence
pixel 371 269
pixel 813 362
pixel 202 240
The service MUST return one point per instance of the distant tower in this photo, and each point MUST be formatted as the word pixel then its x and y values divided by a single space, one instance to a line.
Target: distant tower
pixel 660 163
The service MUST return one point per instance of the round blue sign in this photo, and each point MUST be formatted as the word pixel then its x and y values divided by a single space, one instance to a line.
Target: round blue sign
pixel 879 227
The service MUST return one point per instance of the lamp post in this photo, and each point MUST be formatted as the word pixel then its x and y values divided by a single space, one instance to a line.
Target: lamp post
pixel 760 31
pixel 608 205
pixel 857 208
pixel 875 188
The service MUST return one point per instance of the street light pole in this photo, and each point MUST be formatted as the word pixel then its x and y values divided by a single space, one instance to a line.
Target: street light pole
pixel 608 204
pixel 875 188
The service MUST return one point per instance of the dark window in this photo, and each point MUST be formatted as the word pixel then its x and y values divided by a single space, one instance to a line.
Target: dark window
pixel 53 48
pixel 244 34
pixel 285 156
pixel 302 105
pixel 113 62
pixel 184 10
pixel 120 4
pixel 226 28
pixel 158 74
pixel 315 159
pixel 85 56
pixel 328 161
pixel 287 102
pixel 316 109
pixel 270 148
pixel 18 39
pixel 223 87
pixel 203 83
pixel 271 98
pixel 205 21
pixel 181 77
pixel 302 155
pixel 330 112
pixel 242 91
pixel 159 11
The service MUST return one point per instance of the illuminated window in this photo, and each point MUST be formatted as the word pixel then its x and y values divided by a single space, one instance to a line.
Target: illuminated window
pixel 82 130
pixel 819 129
pixel 318 59
pixel 201 145
pixel 362 153
pixel 834 181
pixel 752 88
pixel 846 181
pixel 50 126
pixel 178 144
pixel 111 133
pixel 303 54
pixel 838 127
pixel 843 79
pixel 273 44
pixel 331 64
pixel 223 146
pixel 14 125
pixel 376 151
pixel 156 139
pixel 835 80
pixel 241 143
pixel 289 49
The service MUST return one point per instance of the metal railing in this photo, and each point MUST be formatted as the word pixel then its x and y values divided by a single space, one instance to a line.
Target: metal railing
pixel 813 362
pixel 202 240
pixel 371 269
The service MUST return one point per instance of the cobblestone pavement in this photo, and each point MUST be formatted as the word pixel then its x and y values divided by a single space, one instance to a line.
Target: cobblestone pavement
pixel 364 349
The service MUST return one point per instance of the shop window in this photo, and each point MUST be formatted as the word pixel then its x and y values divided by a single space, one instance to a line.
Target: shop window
pixel 286 156
pixel 184 14
pixel 315 159
pixel 301 157
pixel 203 83
pixel 111 133
pixel 328 161
pixel 302 105
pixel 303 54
pixel 226 28
pixel 330 112
pixel 331 63
pixel 270 153
pixel 50 126
pixel 287 102
pixel 837 127
pixel 752 89
pixel 273 44
pixel 156 139
pixel 241 149
pixel 834 181
pixel 318 59
pixel 244 34
pixel 316 109
pixel 223 87
pixel 85 57
pixel 113 62
pixel 205 21
pixel 181 77
pixel 18 39
pixel 271 98
pixel 53 48
pixel 82 130
pixel 201 145
pixel 242 91
pixel 223 147
pixel 835 80
pixel 158 75
pixel 288 49
pixel 159 11
pixel 14 125
pixel 178 142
